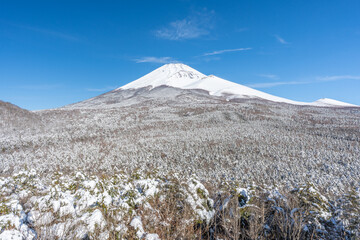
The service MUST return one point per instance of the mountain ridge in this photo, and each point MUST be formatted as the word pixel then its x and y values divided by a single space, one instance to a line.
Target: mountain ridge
pixel 179 75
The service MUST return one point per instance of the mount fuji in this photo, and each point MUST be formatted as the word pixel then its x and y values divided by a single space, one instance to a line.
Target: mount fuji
pixel 181 78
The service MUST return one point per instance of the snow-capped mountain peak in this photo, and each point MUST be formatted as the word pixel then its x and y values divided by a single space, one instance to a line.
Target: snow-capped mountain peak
pixel 332 102
pixel 179 75
pixel 173 74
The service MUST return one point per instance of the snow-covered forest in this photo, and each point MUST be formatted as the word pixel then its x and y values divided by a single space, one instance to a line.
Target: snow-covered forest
pixel 229 169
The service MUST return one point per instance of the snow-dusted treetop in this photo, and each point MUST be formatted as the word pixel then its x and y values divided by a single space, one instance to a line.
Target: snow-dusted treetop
pixel 182 76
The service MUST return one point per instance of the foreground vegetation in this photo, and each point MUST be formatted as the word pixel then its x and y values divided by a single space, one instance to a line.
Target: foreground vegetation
pixel 268 143
pixel 262 170
pixel 149 205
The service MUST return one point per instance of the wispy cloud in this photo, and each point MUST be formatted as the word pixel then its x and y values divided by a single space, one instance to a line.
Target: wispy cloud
pixel 155 60
pixel 339 77
pixel 275 84
pixel 241 29
pixel 48 32
pixel 40 87
pixel 315 80
pixel 211 58
pixel 271 76
pixel 225 51
pixel 194 26
pixel 280 39
pixel 104 89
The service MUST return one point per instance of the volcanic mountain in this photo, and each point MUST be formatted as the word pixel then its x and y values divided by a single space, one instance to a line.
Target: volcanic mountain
pixel 179 78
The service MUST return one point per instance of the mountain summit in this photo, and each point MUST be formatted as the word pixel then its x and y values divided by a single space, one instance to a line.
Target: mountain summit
pixel 174 74
pixel 179 75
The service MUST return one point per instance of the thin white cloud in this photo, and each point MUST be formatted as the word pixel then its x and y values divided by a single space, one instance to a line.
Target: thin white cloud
pixel 317 80
pixel 155 60
pixel 40 87
pixel 194 26
pixel 280 39
pixel 337 78
pixel 225 51
pixel 271 76
pixel 182 29
pixel 48 32
pixel 105 89
pixel 241 29
pixel 275 84
pixel 211 58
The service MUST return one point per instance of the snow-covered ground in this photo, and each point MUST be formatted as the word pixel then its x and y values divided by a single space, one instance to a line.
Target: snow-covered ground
pixel 189 132
pixel 150 206
pixel 78 206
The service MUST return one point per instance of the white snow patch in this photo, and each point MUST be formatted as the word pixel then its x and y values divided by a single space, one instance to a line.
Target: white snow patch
pixel 11 234
pixel 332 102
pixel 137 224
pixel 96 219
pixel 90 184
pixel 140 233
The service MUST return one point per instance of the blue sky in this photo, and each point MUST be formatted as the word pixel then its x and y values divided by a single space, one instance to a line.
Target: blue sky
pixel 54 53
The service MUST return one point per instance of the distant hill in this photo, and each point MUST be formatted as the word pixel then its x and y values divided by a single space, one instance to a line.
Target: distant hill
pixel 14 118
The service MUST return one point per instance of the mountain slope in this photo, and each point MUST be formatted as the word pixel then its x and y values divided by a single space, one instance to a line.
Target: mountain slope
pixel 182 76
pixel 332 102
pixel 13 117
